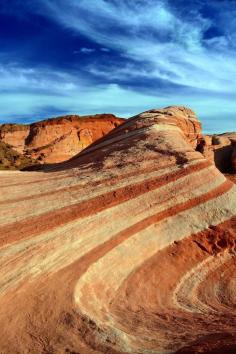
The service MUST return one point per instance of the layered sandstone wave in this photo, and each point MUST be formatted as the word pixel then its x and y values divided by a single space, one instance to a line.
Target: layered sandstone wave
pixel 58 139
pixel 127 248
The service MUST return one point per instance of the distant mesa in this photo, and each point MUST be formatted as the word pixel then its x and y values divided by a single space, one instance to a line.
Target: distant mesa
pixel 58 139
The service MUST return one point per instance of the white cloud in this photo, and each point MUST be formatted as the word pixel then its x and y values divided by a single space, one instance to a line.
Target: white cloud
pixel 151 31
pixel 63 94
pixel 156 42
pixel 87 50
pixel 105 50
pixel 15 77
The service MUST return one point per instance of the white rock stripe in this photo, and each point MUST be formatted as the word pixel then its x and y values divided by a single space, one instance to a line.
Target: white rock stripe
pixel 58 248
pixel 185 296
pixel 110 271
pixel 14 211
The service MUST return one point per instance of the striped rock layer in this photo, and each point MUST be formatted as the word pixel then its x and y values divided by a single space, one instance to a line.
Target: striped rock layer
pixel 127 248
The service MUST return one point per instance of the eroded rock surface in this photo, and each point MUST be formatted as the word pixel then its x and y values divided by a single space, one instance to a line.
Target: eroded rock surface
pixel 58 139
pixel 127 248
pixel 221 149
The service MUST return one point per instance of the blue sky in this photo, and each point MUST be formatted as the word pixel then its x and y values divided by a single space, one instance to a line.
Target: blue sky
pixel 118 56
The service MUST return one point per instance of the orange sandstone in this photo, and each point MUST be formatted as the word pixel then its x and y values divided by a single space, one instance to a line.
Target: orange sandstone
pixel 128 247
pixel 58 139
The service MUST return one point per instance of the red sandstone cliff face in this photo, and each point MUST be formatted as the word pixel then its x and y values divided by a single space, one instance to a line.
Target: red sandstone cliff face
pixel 14 135
pixel 58 139
pixel 129 247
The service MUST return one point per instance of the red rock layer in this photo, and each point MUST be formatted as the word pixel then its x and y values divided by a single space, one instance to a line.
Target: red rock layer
pixel 129 247
pixel 58 139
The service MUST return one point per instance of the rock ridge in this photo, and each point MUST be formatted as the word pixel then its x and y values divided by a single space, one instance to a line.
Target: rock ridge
pixel 128 247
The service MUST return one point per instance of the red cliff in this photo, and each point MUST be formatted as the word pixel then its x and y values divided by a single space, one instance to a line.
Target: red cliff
pixel 58 139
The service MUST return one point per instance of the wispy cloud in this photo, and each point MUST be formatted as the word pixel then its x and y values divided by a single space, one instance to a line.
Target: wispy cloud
pixel 39 94
pixel 153 53
pixel 107 50
pixel 156 33
pixel 14 77
pixel 87 50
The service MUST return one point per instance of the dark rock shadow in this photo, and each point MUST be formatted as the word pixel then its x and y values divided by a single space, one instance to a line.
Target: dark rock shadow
pixel 222 158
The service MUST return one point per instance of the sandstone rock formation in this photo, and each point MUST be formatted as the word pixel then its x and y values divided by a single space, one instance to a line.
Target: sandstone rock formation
pixel 14 135
pixel 221 149
pixel 127 248
pixel 58 139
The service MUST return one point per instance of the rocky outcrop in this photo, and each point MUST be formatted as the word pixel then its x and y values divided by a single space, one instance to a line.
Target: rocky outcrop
pixel 58 139
pixel 10 159
pixel 221 149
pixel 129 247
pixel 14 135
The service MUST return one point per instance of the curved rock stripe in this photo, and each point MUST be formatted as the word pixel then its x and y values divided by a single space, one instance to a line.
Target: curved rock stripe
pixel 138 230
